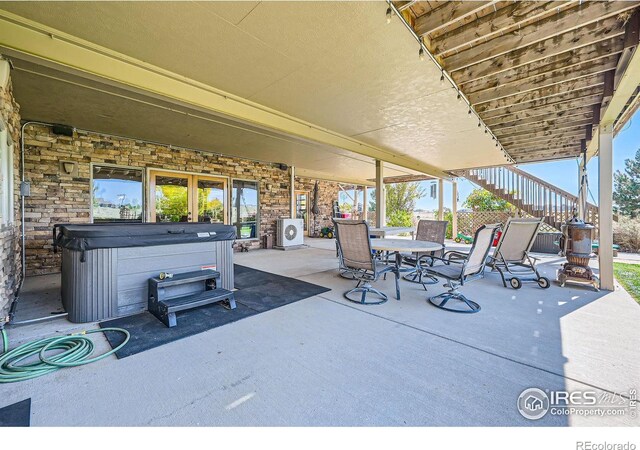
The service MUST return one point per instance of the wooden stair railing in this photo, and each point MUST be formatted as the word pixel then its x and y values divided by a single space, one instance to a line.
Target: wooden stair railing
pixel 529 193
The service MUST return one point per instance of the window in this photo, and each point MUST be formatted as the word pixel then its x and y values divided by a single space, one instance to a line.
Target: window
pixel 116 194
pixel 6 176
pixel 244 208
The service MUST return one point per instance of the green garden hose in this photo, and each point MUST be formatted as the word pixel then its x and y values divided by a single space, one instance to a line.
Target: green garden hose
pixel 75 351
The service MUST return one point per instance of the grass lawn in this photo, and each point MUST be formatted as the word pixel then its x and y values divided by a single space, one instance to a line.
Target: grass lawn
pixel 629 276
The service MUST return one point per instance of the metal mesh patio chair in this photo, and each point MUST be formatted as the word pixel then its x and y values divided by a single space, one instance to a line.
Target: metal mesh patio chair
pixel 460 268
pixel 427 230
pixel 511 257
pixel 357 259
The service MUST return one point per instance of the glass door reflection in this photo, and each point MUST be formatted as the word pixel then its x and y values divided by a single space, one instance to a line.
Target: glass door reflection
pixel 170 198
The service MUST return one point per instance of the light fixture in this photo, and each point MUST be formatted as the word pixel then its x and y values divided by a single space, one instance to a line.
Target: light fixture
pixel 479 124
pixel 486 130
pixel 469 112
pixel 421 54
pixel 442 77
pixel 389 14
pixel 459 96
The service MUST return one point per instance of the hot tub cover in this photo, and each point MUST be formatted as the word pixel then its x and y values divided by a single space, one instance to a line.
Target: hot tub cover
pixel 82 237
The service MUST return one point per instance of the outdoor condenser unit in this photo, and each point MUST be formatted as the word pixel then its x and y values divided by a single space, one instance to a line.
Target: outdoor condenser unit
pixel 289 232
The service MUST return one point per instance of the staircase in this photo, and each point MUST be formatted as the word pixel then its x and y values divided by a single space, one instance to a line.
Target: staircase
pixel 532 195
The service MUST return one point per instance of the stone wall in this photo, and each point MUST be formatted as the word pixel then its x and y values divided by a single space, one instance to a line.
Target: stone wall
pixel 59 198
pixel 327 194
pixel 10 256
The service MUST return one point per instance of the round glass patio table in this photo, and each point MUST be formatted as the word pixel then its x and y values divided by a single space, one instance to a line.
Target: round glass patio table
pixel 399 246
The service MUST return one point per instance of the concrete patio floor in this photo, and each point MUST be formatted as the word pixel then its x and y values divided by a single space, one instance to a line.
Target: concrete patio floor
pixel 326 361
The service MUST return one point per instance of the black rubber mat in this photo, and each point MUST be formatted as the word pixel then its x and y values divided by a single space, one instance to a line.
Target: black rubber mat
pixel 257 292
pixel 16 415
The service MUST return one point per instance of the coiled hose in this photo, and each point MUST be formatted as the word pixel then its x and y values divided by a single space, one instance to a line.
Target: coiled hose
pixel 76 351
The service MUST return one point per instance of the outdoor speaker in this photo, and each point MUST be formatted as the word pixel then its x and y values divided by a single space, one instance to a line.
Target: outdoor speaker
pixel 63 130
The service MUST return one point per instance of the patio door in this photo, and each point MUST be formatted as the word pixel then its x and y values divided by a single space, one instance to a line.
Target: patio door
pixel 181 197
pixel 302 209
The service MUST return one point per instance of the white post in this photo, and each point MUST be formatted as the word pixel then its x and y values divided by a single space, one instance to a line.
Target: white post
pixel 440 199
pixel 605 206
pixel 365 202
pixel 293 192
pixel 582 189
pixel 454 208
pixel 381 207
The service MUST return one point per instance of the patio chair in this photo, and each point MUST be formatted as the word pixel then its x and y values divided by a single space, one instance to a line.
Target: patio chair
pixel 511 255
pixel 357 259
pixel 427 230
pixel 460 268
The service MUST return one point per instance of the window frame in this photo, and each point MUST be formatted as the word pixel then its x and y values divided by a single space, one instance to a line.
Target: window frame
pixel 258 209
pixel 118 166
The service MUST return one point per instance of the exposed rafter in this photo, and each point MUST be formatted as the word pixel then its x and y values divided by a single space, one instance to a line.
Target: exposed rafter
pixel 537 73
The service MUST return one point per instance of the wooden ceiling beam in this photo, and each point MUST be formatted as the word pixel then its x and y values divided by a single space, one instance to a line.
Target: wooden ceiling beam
pixel 557 122
pixel 607 31
pixel 545 111
pixel 537 152
pixel 551 143
pixel 589 20
pixel 539 82
pixel 446 14
pixel 549 91
pixel 566 60
pixel 497 23
pixel 566 114
pixel 558 100
pixel 575 134
pixel 551 125
pixel 542 158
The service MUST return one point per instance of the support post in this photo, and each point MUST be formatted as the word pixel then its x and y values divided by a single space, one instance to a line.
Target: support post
pixel 582 187
pixel 605 205
pixel 293 192
pixel 381 207
pixel 365 202
pixel 454 208
pixel 440 199
pixel 355 201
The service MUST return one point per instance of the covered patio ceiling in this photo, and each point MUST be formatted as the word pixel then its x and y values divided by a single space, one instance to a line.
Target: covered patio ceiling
pixel 326 86
pixel 539 74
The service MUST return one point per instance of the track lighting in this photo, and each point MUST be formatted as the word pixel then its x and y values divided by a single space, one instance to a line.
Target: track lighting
pixel 421 54
pixel 389 14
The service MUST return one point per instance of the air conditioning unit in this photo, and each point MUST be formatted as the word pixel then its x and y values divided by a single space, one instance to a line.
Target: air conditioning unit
pixel 289 232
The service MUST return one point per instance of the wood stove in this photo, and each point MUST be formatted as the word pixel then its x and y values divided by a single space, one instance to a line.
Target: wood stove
pixel 576 246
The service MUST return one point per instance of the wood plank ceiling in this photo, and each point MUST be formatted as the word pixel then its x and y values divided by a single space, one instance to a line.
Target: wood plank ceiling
pixel 537 73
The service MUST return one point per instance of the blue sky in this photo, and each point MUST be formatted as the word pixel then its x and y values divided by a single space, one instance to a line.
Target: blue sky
pixel 563 174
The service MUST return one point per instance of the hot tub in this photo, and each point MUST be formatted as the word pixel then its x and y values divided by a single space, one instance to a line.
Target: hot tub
pixel 106 267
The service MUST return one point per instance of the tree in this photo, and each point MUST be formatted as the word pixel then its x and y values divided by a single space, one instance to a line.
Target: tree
pixel 483 200
pixel 627 188
pixel 403 196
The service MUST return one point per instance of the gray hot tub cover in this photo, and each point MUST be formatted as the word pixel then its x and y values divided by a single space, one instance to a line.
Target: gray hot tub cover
pixel 82 237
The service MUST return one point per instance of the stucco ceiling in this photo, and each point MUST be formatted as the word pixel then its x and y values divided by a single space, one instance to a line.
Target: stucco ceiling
pixel 337 65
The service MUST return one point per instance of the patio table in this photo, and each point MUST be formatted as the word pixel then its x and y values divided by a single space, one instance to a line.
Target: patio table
pixel 382 232
pixel 398 246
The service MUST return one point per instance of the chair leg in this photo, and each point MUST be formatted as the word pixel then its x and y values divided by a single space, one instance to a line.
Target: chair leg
pixel 397 276
pixel 439 301
pixel 365 289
